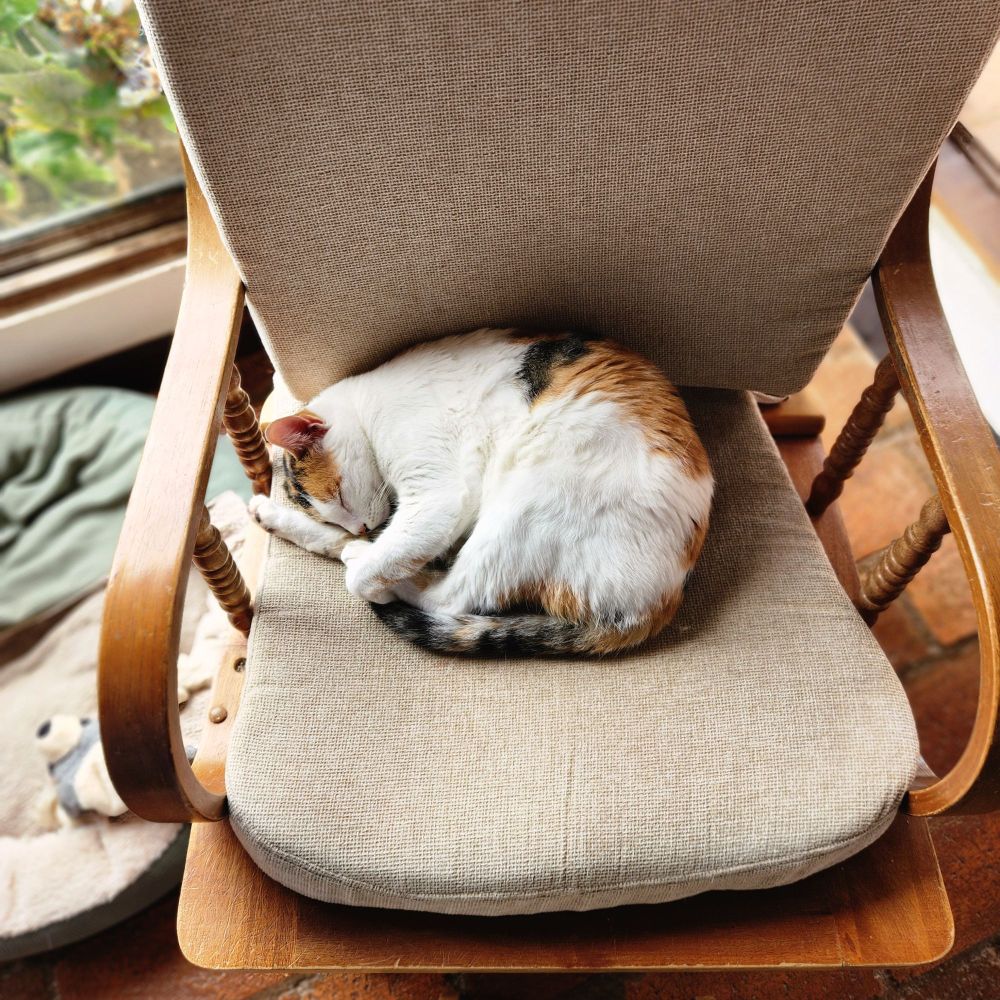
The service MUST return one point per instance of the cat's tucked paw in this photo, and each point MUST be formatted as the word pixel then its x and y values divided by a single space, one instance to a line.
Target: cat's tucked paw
pixel 355 552
pixel 361 578
pixel 265 512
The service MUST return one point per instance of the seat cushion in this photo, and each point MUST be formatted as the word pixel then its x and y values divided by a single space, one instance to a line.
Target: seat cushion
pixel 761 737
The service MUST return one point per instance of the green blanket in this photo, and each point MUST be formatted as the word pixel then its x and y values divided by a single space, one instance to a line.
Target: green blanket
pixel 67 461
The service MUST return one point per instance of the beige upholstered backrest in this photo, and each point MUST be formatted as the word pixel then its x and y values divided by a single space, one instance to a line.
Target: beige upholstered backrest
pixel 706 180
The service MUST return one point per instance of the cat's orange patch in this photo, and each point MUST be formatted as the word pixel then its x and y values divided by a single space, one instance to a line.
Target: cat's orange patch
pixel 319 475
pixel 560 602
pixel 527 594
pixel 465 637
pixel 317 471
pixel 695 543
pixel 555 599
pixel 612 640
pixel 642 391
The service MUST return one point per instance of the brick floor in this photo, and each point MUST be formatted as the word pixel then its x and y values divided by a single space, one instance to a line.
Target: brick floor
pixel 928 635
pixel 943 693
pixel 942 598
pixel 893 480
pixel 903 635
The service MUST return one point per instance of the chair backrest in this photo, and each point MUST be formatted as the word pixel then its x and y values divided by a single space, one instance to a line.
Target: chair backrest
pixel 708 181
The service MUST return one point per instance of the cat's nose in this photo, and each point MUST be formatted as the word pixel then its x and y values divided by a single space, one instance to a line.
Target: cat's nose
pixel 363 530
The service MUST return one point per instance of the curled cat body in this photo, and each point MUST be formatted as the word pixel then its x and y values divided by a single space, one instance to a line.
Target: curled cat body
pixel 551 494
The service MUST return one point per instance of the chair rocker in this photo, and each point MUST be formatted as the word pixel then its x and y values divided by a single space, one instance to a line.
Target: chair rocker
pixel 744 791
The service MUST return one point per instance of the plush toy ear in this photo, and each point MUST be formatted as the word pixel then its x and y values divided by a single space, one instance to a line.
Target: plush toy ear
pixel 297 433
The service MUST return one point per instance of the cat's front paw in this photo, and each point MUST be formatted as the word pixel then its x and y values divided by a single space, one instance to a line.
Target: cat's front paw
pixel 265 512
pixel 361 578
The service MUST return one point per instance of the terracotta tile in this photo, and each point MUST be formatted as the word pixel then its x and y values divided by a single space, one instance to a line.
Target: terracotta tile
pixel 967 849
pixel 901 635
pixel 839 381
pixel 480 986
pixel 356 986
pixel 974 975
pixel 885 494
pixel 941 595
pixel 140 960
pixel 861 984
pixel 844 374
pixel 26 980
pixel 943 696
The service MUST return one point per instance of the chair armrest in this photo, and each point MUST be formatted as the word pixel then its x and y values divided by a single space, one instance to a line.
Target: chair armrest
pixel 137 675
pixel 964 459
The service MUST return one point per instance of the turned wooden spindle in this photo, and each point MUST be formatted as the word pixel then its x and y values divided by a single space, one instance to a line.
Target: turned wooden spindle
pixel 215 561
pixel 900 562
pixel 853 441
pixel 241 425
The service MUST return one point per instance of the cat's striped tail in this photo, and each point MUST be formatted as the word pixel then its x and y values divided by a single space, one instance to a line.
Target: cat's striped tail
pixel 504 635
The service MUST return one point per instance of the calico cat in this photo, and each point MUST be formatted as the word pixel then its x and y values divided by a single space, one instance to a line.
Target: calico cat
pixel 557 479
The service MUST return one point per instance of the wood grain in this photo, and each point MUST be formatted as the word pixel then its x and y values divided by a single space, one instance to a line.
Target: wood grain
pixel 964 459
pixel 899 562
pixel 852 442
pixel 885 907
pixel 798 416
pixel 137 676
pixel 62 237
pixel 114 259
pixel 210 762
pixel 215 563
pixel 244 431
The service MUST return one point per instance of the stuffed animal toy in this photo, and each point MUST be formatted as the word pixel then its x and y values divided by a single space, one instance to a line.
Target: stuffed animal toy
pixel 72 748
pixel 75 757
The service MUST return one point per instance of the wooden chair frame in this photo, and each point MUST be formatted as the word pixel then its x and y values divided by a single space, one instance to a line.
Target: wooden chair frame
pixel 877 909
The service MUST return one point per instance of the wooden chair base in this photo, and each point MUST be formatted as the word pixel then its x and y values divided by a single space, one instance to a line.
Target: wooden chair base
pixel 884 907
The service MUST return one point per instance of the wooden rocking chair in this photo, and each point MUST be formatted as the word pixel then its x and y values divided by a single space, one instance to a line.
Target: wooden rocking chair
pixel 391 90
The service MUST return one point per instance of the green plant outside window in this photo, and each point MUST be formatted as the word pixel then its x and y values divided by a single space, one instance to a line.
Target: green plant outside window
pixel 82 118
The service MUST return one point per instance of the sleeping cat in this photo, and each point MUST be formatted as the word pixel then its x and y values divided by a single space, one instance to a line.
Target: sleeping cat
pixel 557 479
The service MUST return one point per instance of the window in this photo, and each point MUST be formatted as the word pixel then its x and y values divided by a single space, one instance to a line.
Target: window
pixel 86 137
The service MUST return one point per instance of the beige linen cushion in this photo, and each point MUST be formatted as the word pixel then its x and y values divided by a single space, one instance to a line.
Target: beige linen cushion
pixel 710 182
pixel 762 737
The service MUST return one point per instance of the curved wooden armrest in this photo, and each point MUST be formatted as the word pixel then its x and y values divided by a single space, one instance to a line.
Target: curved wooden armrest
pixel 137 676
pixel 966 465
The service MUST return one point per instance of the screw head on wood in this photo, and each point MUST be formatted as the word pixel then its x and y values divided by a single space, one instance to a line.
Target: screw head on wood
pixel 218 714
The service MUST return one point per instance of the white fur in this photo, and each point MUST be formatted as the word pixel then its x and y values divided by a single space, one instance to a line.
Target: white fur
pixel 565 491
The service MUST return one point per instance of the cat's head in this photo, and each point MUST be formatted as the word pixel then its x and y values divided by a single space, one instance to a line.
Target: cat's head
pixel 330 471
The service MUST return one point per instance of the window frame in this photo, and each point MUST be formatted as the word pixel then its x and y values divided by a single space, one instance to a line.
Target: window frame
pixel 60 255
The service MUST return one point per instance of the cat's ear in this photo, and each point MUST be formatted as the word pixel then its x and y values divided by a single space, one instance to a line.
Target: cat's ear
pixel 297 433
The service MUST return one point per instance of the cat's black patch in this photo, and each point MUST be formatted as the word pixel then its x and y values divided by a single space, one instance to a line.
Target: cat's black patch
pixel 545 355
pixel 542 637
pixel 409 622
pixel 293 488
pixel 296 494
pixel 516 635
